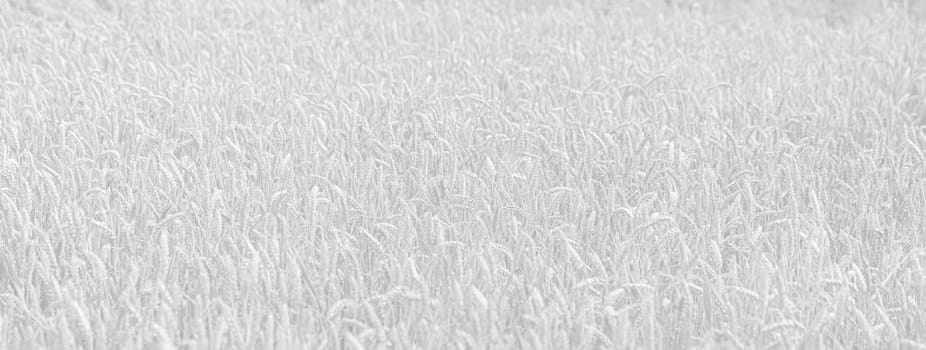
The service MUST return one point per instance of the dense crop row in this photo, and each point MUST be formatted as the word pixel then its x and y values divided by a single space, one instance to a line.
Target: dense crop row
pixel 443 174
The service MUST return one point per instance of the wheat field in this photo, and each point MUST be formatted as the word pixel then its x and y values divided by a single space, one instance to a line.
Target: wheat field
pixel 450 174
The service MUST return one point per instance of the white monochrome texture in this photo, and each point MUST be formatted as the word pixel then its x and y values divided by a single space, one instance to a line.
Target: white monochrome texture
pixel 462 174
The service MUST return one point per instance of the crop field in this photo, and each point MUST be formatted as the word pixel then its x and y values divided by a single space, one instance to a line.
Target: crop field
pixel 451 174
